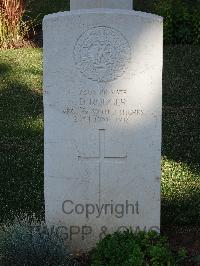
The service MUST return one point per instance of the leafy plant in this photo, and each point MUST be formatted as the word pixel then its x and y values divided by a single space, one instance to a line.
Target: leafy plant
pixel 141 248
pixel 38 9
pixel 181 19
pixel 32 244
pixel 196 26
pixel 177 21
pixel 13 29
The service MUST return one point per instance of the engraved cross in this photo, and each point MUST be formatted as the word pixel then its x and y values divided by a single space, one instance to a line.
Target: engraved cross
pixel 102 157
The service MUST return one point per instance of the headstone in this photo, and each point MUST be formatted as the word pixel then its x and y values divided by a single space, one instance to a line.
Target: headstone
pixel 87 4
pixel 102 104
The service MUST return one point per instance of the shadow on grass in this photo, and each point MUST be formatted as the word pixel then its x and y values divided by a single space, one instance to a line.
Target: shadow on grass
pixel 4 68
pixel 21 152
pixel 182 209
pixel 181 105
pixel 181 131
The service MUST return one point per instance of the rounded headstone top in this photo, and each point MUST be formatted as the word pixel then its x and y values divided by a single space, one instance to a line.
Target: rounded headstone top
pixel 112 4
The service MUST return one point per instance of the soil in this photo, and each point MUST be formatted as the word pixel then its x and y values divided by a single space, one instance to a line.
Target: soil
pixel 184 237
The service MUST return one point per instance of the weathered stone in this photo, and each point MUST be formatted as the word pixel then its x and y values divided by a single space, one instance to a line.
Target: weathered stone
pixel 102 103
pixel 87 4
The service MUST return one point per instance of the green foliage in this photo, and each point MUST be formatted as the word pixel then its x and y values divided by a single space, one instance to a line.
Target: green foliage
pixel 195 20
pixel 32 244
pixel 38 9
pixel 138 249
pixel 181 19
pixel 178 21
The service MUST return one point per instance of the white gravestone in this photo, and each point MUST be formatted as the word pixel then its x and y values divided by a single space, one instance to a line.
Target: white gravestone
pixel 102 103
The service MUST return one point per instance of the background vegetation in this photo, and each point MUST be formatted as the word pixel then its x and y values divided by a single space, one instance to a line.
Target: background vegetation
pixel 18 18
pixel 15 24
pixel 181 17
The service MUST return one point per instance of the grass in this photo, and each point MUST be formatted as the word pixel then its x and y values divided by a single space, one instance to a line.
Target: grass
pixel 181 136
pixel 21 135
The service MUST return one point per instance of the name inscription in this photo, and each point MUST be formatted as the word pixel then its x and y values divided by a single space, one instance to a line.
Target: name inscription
pixel 102 105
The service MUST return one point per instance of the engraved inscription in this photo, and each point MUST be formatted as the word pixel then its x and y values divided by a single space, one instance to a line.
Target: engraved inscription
pixel 102 54
pixel 102 105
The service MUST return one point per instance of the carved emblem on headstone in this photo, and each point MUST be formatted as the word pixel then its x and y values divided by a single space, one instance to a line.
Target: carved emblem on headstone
pixel 102 54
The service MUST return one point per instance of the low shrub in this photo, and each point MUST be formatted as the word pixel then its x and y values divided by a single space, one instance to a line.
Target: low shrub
pixel 31 244
pixel 135 249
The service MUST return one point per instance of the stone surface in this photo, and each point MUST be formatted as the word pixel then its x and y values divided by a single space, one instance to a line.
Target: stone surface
pixel 102 104
pixel 87 4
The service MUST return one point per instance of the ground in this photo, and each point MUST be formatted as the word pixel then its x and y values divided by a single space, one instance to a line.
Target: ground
pixel 21 140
